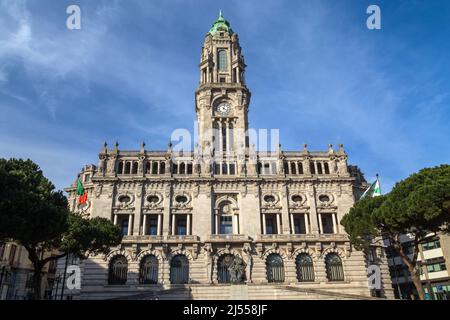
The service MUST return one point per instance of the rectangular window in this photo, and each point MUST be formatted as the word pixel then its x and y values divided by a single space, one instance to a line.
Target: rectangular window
pixel 232 169
pixel 87 178
pixel 224 168
pixel 226 225
pixel 431 245
pixel 216 168
pixel 152 225
pixel 271 226
pixel 124 226
pixel 181 225
pixel 327 223
pixel 222 60
pixel 299 225
pixel 222 80
pixel 436 267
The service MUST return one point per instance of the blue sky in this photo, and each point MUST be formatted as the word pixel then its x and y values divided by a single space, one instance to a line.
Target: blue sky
pixel 314 69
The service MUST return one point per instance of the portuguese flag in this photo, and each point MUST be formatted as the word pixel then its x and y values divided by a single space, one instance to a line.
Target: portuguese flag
pixel 374 190
pixel 81 192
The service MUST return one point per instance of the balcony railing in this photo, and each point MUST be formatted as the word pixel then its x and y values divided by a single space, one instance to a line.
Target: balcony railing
pixel 303 237
pixel 228 237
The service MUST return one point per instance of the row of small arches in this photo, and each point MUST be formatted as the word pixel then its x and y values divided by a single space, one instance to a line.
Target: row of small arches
pixel 179 269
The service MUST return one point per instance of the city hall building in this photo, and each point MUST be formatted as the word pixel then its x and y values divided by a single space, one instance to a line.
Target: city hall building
pixel 224 220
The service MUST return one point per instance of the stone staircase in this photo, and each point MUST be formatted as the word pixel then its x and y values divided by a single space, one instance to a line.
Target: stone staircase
pixel 244 292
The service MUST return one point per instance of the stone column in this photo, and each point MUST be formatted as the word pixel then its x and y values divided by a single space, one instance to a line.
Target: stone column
pixel 172 231
pixel 285 212
pixel 236 224
pixel 313 212
pixel 115 219
pixel 166 212
pixel 228 139
pixel 216 222
pixel 319 217
pixel 138 210
pixel 335 225
pixel 292 224
pixel 188 225
pixel 158 232
pixel 306 223
pixel 130 224
pixel 279 231
pixel 264 223
pixel 144 225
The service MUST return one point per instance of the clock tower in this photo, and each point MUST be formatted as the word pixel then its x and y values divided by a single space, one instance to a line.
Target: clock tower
pixel 222 100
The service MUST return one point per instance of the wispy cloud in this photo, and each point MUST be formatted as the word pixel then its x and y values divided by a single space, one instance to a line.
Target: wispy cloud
pixel 314 70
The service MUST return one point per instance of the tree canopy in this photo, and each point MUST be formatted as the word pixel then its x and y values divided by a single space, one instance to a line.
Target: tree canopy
pixel 418 205
pixel 36 216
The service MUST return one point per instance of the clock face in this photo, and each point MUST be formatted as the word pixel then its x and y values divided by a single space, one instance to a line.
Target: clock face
pixel 223 108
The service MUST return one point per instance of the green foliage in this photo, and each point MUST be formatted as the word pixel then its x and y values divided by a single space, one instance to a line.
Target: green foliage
pixel 35 215
pixel 94 235
pixel 419 204
pixel 31 211
pixel 360 222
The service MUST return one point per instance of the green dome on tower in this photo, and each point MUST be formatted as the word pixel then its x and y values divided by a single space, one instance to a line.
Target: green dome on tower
pixel 221 25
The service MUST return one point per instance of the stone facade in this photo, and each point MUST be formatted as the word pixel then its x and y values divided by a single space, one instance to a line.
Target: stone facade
pixel 224 198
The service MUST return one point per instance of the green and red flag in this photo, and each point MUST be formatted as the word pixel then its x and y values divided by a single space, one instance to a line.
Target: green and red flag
pixel 374 190
pixel 81 192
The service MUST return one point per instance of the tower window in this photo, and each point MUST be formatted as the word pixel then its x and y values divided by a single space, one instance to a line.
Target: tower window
pixel 222 60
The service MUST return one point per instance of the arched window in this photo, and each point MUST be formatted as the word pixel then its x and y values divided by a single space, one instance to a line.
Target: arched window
pixel 148 271
pixel 305 268
pixel 135 168
pixel 179 270
pixel 120 170
pixel 127 167
pixel 182 168
pixel 223 273
pixel 222 60
pixel 162 168
pixel 293 168
pixel 333 264
pixel 155 167
pixel 174 168
pixel 225 218
pixel 118 270
pixel 300 167
pixel 275 268
pixel 326 168
pixel 147 167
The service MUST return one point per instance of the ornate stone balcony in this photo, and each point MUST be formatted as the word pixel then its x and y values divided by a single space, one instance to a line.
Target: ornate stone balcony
pixel 302 237
pixel 177 238
pixel 159 239
pixel 228 238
